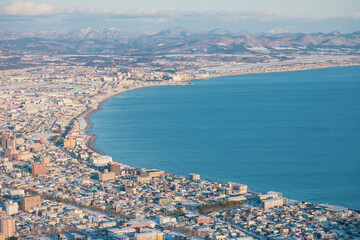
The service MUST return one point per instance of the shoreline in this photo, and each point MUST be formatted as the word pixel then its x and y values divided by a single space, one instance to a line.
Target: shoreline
pixel 278 71
pixel 90 138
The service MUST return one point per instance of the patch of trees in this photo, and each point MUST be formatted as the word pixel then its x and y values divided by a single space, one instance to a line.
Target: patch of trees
pixel 175 213
pixel 54 138
pixel 206 208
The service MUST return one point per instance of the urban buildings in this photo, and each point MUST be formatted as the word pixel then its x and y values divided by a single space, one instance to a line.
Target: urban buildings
pixel 106 176
pixel 11 208
pixel 7 226
pixel 240 188
pixel 28 202
pixel 66 189
pixel 194 176
pixel 39 169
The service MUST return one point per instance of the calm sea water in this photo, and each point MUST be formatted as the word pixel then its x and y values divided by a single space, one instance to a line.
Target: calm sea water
pixel 294 132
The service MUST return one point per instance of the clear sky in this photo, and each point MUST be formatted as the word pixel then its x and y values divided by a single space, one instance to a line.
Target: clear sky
pixel 150 15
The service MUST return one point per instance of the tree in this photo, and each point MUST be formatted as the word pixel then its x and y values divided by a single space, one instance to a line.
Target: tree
pixel 54 138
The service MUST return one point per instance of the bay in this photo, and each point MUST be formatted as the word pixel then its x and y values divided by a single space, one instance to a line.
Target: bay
pixel 293 132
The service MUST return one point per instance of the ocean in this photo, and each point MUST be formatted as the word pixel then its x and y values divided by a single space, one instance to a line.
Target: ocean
pixel 293 132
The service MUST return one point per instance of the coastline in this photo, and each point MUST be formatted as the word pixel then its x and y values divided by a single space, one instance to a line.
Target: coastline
pixel 90 138
pixel 98 106
pixel 279 71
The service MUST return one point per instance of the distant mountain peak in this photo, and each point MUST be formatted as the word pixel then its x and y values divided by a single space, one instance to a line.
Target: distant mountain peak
pixel 334 33
pixel 220 32
pixel 172 40
pixel 277 31
pixel 181 30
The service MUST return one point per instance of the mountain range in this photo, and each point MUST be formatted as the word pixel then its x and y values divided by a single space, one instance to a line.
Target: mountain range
pixel 170 41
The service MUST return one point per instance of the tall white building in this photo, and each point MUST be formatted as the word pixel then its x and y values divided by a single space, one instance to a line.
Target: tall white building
pixel 11 208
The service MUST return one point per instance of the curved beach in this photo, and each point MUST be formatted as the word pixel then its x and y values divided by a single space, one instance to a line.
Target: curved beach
pixel 218 174
pixel 91 137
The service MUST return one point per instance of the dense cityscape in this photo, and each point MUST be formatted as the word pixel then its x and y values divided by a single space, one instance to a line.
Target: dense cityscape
pixel 56 185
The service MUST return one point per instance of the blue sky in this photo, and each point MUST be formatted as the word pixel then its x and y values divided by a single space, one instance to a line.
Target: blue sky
pixel 154 15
